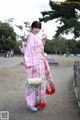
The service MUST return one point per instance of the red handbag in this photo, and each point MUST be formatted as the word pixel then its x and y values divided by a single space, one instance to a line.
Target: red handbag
pixel 50 89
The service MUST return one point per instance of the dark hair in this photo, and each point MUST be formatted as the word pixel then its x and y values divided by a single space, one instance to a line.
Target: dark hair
pixel 36 24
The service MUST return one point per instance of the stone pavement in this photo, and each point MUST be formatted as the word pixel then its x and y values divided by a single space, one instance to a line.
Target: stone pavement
pixel 9 62
pixel 60 106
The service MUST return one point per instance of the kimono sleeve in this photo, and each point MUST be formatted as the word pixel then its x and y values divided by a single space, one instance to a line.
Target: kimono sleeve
pixel 30 57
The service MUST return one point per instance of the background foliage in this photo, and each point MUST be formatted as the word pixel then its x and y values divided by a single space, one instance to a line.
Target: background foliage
pixel 67 13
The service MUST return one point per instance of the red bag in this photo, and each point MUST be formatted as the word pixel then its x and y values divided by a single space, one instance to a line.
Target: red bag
pixel 50 89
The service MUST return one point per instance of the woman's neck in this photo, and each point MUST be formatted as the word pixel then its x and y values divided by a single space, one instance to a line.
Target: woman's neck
pixel 33 33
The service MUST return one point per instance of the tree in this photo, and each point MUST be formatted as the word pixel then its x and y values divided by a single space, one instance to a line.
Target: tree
pixel 57 46
pixel 72 46
pixel 7 36
pixel 49 46
pixel 78 47
pixel 24 29
pixel 61 46
pixel 67 13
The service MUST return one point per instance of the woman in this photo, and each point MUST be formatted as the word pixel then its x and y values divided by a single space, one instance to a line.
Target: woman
pixel 36 65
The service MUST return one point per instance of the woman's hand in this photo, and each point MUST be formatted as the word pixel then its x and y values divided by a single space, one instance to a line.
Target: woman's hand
pixel 34 69
pixel 44 40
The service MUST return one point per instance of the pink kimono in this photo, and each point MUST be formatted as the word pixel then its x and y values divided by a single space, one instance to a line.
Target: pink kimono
pixel 34 56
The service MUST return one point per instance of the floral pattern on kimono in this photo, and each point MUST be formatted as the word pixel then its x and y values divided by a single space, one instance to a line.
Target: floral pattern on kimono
pixel 34 56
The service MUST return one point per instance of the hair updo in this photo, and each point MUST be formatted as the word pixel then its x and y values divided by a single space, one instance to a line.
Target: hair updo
pixel 36 24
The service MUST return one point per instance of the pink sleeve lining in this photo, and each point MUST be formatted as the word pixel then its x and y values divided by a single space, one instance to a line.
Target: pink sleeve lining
pixel 30 55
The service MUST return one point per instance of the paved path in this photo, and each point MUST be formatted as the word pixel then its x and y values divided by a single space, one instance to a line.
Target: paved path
pixel 9 62
pixel 60 106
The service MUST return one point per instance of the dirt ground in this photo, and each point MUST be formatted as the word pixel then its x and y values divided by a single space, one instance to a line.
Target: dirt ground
pixel 60 106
